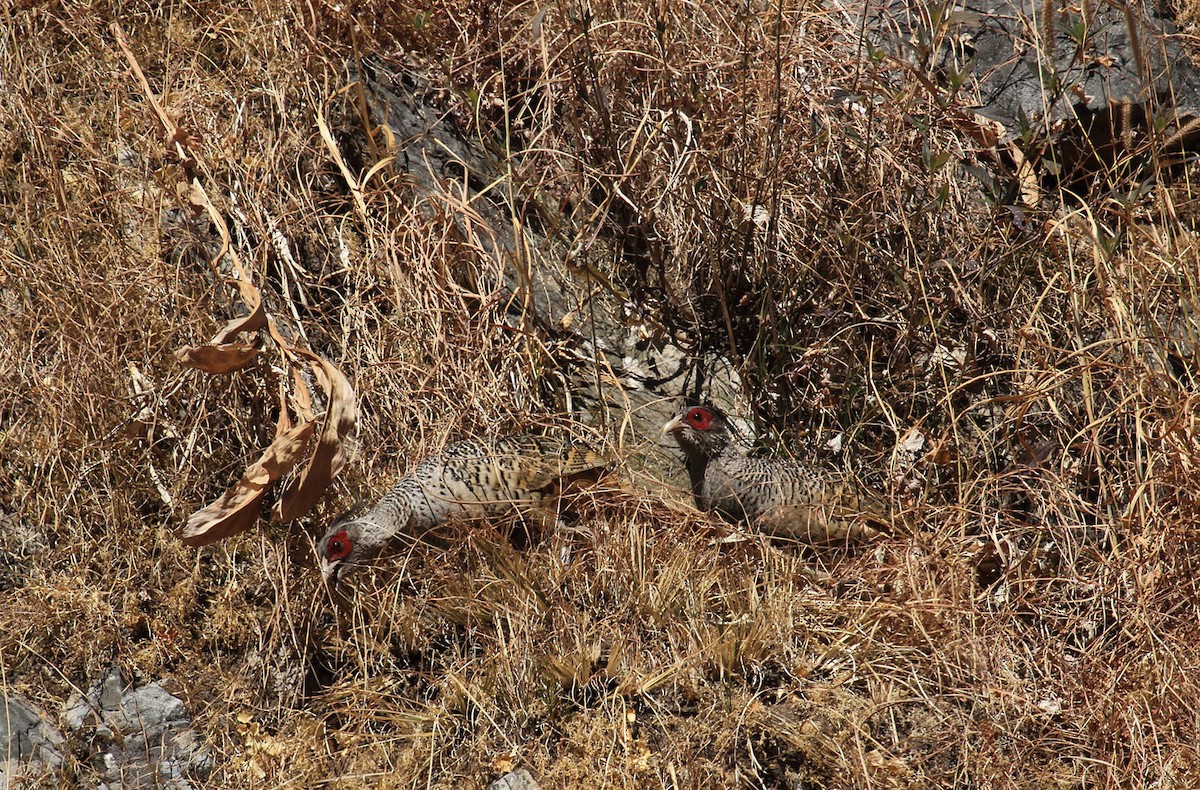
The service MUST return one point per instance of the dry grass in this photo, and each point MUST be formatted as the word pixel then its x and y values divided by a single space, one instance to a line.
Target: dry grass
pixel 759 186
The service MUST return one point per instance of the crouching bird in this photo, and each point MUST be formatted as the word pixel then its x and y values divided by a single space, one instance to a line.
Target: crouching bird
pixel 471 479
pixel 780 497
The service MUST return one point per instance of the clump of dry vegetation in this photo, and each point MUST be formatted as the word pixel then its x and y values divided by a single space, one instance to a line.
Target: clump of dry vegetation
pixel 1020 380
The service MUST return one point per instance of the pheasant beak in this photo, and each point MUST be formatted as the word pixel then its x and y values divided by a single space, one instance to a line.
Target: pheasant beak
pixel 330 571
pixel 672 425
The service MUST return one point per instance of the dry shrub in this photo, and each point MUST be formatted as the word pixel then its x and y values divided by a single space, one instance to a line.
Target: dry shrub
pixel 1022 382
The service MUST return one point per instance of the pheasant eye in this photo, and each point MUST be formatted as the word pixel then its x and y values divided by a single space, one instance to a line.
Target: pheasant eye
pixel 700 419
pixel 338 546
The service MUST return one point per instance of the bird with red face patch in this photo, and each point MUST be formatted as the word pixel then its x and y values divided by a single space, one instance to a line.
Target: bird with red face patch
pixel 471 479
pixel 781 497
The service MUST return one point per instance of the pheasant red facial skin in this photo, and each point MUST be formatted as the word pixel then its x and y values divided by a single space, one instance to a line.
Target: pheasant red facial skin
pixel 339 546
pixel 703 434
pixel 699 418
pixel 782 497
pixel 342 546
pixel 469 479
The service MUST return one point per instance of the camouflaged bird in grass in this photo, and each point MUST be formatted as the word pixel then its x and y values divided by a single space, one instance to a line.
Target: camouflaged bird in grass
pixel 472 479
pixel 781 497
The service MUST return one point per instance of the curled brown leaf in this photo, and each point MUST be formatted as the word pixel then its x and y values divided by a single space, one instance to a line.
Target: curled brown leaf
pixel 220 358
pixel 238 508
pixel 329 457
pixel 223 354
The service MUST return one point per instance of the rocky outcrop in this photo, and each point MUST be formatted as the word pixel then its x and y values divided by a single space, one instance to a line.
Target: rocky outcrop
pixel 33 748
pixel 1078 88
pixel 138 736
pixel 519 779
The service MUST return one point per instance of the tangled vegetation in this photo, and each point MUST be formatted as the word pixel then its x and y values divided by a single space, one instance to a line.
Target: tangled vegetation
pixel 1019 377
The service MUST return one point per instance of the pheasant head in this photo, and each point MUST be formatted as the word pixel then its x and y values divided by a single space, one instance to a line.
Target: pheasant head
pixel 702 432
pixel 352 541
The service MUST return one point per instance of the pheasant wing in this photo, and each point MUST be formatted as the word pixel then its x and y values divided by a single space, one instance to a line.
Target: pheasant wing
pixel 839 517
pixel 538 462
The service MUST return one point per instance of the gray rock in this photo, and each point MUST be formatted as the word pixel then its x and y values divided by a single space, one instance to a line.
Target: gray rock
pixel 1097 81
pixel 142 737
pixel 31 747
pixel 1018 66
pixel 519 779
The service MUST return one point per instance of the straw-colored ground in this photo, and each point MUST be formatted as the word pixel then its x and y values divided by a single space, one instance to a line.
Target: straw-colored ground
pixel 1036 623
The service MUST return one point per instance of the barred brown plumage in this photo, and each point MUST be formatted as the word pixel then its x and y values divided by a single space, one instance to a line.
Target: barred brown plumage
pixel 784 498
pixel 475 478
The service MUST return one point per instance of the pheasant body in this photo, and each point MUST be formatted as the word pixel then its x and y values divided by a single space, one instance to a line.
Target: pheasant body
pixel 472 479
pixel 781 497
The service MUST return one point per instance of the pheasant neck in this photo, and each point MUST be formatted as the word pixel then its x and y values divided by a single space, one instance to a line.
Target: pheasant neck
pixel 391 513
pixel 696 465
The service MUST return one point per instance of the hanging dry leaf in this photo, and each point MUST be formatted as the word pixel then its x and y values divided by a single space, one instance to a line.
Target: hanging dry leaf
pixel 253 322
pixel 238 508
pixel 222 354
pixel 223 358
pixel 341 416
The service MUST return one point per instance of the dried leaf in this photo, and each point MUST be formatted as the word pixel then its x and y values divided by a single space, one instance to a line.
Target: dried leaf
pixel 238 508
pixel 341 417
pixel 253 322
pixel 222 354
pixel 222 358
pixel 335 152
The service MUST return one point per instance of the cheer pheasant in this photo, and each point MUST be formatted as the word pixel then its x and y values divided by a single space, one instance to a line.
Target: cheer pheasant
pixel 781 497
pixel 468 479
